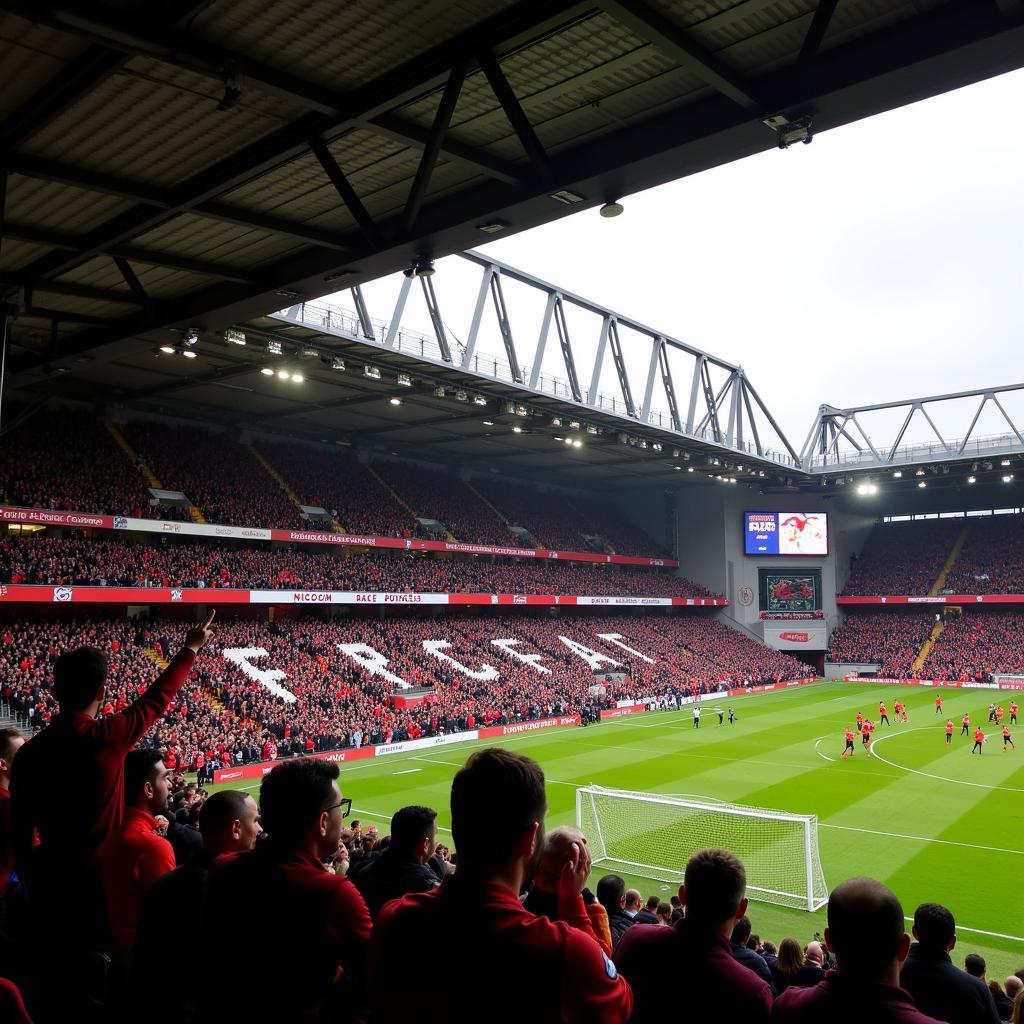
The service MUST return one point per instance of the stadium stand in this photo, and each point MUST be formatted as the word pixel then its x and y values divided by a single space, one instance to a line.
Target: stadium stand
pixel 992 558
pixel 220 477
pixel 903 558
pixel 892 639
pixel 978 645
pixel 82 561
pixel 228 717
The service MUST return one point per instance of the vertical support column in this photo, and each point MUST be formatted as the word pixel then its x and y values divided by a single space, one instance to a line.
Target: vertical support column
pixel 365 324
pixel 670 390
pixel 602 344
pixel 734 407
pixel 656 345
pixel 505 327
pixel 695 389
pixel 563 339
pixel 474 328
pixel 620 369
pixel 538 354
pixel 396 318
pixel 435 317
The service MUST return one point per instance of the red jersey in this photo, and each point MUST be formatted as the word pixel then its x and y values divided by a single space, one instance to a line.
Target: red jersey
pixel 949 727
pixel 860 720
pixel 1013 709
pixel 966 719
pixel 1006 733
pixel 938 702
pixel 979 737
pixel 849 735
pixel 881 708
pixel 897 707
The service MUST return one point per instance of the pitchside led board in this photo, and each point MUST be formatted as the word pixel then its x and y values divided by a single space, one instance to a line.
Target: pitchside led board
pixel 785 533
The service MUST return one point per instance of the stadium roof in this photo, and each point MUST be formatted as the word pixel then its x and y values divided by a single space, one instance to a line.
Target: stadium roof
pixel 208 168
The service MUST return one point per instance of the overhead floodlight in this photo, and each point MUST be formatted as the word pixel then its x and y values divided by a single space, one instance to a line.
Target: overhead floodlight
pixel 517 430
pixel 919 472
pixel 191 336
pixel 189 354
pixel 556 421
pixel 591 429
pixel 657 446
pixel 297 378
pixel 972 479
pixel 395 401
pixel 922 484
pixel 577 443
pixel 488 423
pixel 337 363
pixel 689 469
pixel 1007 477
pixel 574 424
pixel 479 400
pixel 567 197
pixel 790 131
pixel 567 440
pixel 1004 462
pixel 623 438
pixel 492 227
pixel 234 337
pixel 898 474
pixel 461 396
pixel 611 209
pixel 404 380
pixel 267 371
pixel 274 347
pixel 521 410
pixel 422 266
pixel 439 391
pixel 168 349
pixel 372 372
pixel 283 374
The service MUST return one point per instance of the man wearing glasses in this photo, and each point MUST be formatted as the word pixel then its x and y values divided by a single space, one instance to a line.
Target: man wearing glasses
pixel 313 970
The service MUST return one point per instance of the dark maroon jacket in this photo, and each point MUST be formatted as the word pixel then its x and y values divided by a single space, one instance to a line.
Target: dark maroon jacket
pixel 696 961
pixel 839 1000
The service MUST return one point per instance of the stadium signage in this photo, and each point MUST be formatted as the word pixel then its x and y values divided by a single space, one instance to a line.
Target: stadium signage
pixel 53 517
pixel 794 637
pixel 941 599
pixel 25 593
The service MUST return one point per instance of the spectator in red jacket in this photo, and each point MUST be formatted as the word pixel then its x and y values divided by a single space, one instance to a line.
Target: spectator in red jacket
pixel 317 972
pixel 867 935
pixel 134 857
pixel 539 970
pixel 695 952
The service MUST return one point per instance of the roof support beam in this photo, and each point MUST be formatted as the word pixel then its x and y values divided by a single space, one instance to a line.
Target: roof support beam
pixel 675 42
pixel 77 291
pixel 816 32
pixel 428 161
pixel 515 114
pixel 132 280
pixel 345 191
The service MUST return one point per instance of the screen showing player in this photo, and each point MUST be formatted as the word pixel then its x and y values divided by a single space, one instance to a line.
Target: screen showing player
pixel 785 533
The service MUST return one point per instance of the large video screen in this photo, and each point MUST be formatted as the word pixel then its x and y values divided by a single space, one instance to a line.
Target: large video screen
pixel 785 533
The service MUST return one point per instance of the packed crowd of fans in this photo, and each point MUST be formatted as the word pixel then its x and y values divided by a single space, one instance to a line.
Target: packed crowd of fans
pixel 85 562
pixel 992 558
pixel 71 463
pixel 103 885
pixel 340 700
pixel 903 558
pixel 890 639
pixel 976 646
pixel 220 477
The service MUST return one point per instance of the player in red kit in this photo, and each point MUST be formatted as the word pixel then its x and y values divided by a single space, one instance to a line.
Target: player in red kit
pixel 999 714
pixel 848 749
pixel 949 731
pixel 897 710
pixel 860 721
pixel 882 716
pixel 979 738
pixel 865 735
pixel 1007 738
pixel 1013 712
pixel 965 725
pixel 938 705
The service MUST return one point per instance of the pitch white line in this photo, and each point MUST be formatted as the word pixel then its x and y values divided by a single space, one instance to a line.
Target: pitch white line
pixel 921 839
pixel 818 752
pixel 454 764
pixel 407 771
pixel 929 775
pixel 978 931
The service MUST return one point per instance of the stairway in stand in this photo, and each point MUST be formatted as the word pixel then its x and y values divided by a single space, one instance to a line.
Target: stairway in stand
pixel 336 527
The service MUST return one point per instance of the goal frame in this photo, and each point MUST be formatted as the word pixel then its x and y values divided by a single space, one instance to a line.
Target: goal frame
pixel 807 822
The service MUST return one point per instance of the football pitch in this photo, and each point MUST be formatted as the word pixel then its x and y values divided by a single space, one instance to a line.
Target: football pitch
pixel 933 823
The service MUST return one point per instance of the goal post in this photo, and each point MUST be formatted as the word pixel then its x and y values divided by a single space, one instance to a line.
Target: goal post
pixel 653 836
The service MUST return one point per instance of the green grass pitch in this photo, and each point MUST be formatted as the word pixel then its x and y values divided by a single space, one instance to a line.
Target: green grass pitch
pixel 933 823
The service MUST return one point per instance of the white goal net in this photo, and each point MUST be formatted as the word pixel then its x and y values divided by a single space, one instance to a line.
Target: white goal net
pixel 652 836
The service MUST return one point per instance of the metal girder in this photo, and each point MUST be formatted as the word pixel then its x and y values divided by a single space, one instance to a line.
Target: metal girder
pixel 666 36
pixel 365 323
pixel 670 389
pixel 816 33
pixel 505 327
pixel 565 343
pixel 395 323
pixel 345 190
pixel 430 297
pixel 76 291
pixel 620 367
pixel 657 347
pixel 132 280
pixel 602 345
pixel 432 150
pixel 514 112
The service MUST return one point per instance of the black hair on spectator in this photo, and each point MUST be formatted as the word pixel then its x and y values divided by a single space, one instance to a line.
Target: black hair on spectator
pixel 496 796
pixel 741 931
pixel 7 739
pixel 652 903
pixel 220 810
pixel 934 926
pixel 715 882
pixel 78 676
pixel 974 965
pixel 865 921
pixel 411 825
pixel 294 795
pixel 140 768
pixel 610 891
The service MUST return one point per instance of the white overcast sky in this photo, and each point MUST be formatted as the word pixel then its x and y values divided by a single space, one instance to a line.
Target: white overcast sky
pixel 883 261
